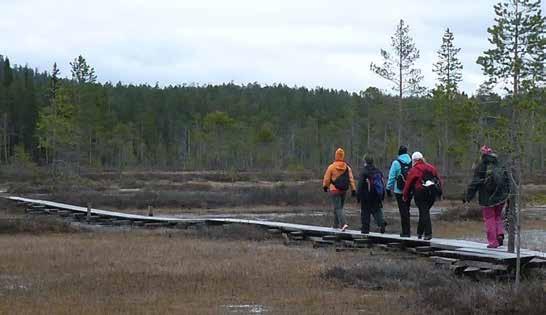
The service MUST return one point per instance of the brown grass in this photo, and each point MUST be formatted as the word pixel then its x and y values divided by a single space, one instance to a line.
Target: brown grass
pixel 158 272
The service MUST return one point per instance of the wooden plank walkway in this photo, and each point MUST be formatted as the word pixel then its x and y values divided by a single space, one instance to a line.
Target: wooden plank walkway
pixel 451 248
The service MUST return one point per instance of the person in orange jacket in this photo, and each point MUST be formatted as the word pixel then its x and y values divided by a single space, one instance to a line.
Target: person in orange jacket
pixel 338 179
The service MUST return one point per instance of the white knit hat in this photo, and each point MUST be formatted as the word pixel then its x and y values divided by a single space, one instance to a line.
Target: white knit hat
pixel 416 156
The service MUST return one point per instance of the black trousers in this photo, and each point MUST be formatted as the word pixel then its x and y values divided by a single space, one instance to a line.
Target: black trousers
pixel 424 202
pixel 376 210
pixel 404 209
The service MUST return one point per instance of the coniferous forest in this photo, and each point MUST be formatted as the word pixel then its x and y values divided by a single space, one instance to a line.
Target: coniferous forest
pixel 73 120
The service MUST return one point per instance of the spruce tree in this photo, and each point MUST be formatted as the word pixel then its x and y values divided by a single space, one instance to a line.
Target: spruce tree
pixel 448 70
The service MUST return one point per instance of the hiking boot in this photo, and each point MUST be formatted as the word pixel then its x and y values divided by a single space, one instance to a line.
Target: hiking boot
pixel 365 232
pixel 344 228
pixel 492 246
pixel 419 237
pixel 427 237
pixel 382 228
pixel 500 239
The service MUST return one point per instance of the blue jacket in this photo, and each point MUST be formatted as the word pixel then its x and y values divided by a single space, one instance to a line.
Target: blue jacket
pixel 395 171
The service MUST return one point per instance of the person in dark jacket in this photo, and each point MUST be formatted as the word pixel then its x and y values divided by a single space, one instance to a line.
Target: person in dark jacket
pixel 402 162
pixel 371 200
pixel 493 194
pixel 421 179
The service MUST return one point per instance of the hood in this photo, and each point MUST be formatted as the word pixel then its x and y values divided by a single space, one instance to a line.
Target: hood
pixel 405 158
pixel 340 155
pixel 340 165
pixel 490 158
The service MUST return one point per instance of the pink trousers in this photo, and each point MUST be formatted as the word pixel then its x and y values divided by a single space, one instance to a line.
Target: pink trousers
pixel 492 216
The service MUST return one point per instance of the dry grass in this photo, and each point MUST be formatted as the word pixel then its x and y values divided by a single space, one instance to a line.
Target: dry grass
pixel 158 272
pixel 227 269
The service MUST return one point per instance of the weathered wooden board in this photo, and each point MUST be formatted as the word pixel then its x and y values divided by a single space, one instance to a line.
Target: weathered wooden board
pixel 461 249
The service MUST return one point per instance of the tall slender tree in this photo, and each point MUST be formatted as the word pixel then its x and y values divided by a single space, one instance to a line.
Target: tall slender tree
pixel 448 69
pixel 398 68
pixel 516 62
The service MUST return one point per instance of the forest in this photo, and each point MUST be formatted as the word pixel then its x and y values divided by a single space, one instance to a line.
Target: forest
pixel 74 121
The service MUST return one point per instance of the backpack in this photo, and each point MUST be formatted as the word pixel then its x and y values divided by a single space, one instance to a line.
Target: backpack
pixel 494 178
pixel 401 178
pixel 342 182
pixel 376 185
pixel 434 191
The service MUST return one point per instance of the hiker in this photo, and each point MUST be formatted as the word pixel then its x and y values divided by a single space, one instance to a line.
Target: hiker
pixel 424 182
pixel 370 194
pixel 338 178
pixel 397 177
pixel 492 182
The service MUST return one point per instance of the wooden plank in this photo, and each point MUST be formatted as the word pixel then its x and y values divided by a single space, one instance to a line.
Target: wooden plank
pixel 330 237
pixel 472 249
pixel 323 244
pixel 482 265
pixel 536 263
pixel 487 257
pixel 443 260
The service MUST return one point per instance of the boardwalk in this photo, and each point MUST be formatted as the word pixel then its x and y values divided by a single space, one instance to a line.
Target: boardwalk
pixel 437 247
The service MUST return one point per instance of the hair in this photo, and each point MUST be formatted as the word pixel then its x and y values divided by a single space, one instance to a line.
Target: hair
pixel 402 150
pixel 368 159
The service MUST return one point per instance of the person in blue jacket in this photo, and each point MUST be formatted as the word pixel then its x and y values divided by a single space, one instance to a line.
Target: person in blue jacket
pixel 397 175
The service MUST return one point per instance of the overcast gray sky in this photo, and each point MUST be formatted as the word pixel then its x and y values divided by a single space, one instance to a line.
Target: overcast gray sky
pixel 297 42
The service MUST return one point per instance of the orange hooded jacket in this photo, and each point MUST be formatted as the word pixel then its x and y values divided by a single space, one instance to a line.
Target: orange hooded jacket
pixel 335 169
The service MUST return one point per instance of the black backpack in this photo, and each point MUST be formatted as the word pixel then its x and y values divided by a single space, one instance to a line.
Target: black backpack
pixel 342 182
pixel 434 191
pixel 401 178
pixel 495 179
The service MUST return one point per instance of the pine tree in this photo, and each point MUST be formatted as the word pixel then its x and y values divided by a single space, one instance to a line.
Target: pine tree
pixel 398 68
pixel 516 62
pixel 82 72
pixel 448 69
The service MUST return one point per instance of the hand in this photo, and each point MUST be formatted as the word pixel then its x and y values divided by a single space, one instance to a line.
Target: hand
pixel 353 193
pixel 325 189
pixel 389 193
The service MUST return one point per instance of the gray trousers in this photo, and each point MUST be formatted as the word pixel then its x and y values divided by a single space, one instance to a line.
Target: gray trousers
pixel 338 201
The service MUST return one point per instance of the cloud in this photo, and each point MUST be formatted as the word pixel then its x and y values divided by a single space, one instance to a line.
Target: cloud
pixel 304 43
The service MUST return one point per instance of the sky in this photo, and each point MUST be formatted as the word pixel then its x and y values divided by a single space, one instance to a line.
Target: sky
pixel 315 43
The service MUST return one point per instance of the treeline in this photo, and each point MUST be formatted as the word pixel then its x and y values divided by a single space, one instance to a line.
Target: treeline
pixel 89 124
pixel 79 123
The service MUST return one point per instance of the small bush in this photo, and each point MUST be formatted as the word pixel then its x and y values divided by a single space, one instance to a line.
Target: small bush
pixel 465 297
pixel 390 274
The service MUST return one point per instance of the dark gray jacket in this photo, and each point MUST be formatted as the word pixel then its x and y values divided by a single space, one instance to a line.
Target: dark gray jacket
pixel 488 198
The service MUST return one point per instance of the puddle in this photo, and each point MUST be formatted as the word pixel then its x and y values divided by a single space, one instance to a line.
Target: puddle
pixel 12 283
pixel 246 309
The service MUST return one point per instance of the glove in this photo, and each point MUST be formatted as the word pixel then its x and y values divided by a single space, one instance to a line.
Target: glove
pixel 464 200
pixel 325 189
pixel 389 193
pixel 353 193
